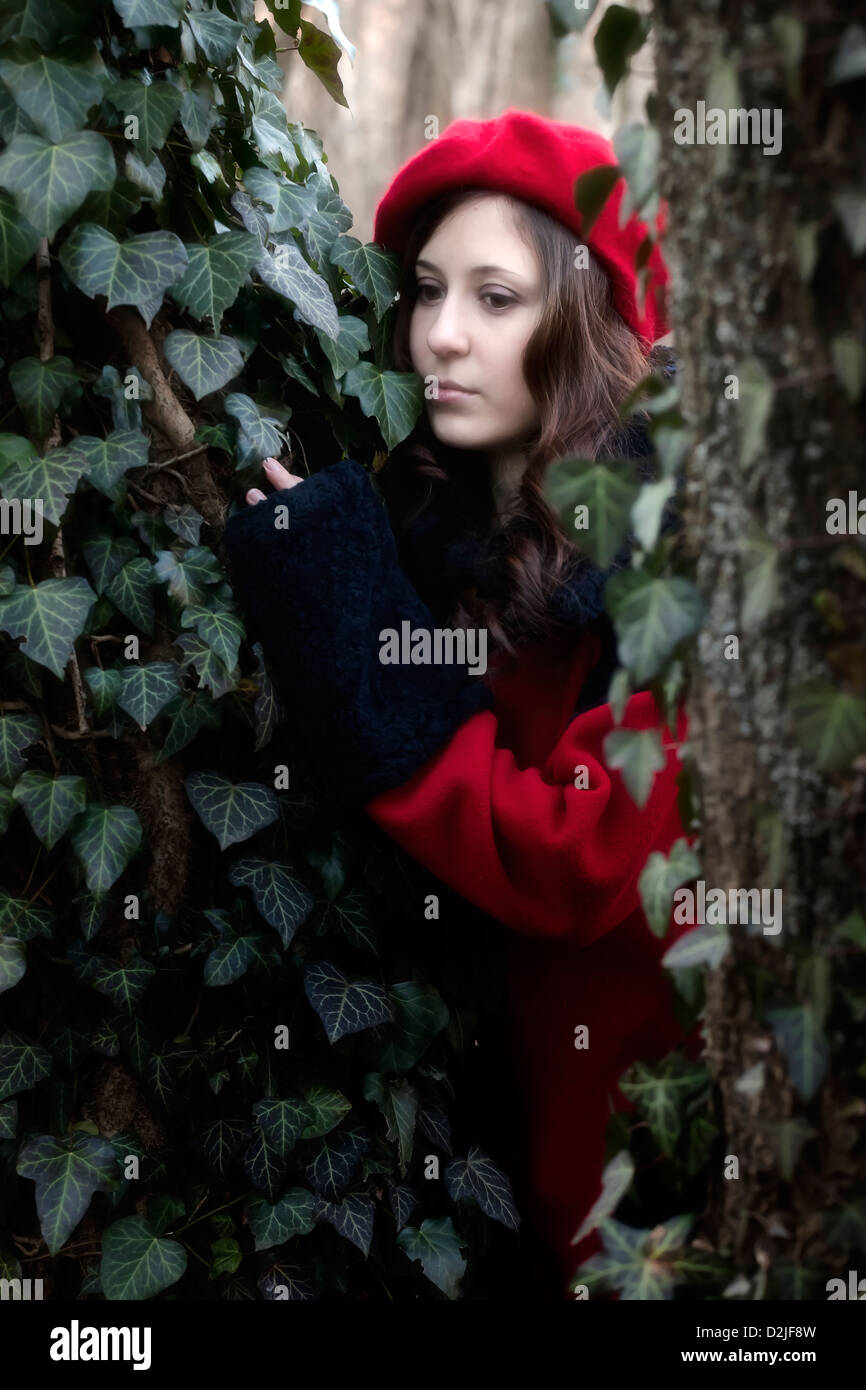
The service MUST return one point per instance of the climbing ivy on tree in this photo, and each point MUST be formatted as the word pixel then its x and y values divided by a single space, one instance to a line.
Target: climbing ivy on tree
pixel 798 1010
pixel 218 1039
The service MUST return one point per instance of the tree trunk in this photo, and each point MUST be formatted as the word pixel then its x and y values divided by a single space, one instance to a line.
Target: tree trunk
pixel 767 283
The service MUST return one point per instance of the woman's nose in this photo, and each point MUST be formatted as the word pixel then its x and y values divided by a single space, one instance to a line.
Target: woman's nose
pixel 447 332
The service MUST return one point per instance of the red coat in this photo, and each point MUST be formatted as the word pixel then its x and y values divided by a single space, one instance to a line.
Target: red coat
pixel 496 815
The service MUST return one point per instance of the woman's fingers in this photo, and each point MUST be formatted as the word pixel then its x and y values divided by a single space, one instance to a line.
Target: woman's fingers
pixel 277 475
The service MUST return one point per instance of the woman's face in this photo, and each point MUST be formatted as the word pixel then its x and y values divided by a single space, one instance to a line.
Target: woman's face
pixel 479 299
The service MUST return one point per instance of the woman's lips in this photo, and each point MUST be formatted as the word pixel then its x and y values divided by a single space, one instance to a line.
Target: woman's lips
pixel 449 395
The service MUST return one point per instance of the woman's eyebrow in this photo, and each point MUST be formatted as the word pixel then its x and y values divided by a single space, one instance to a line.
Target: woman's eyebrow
pixel 476 269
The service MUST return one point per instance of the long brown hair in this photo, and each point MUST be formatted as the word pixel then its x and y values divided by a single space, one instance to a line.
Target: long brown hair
pixel 580 363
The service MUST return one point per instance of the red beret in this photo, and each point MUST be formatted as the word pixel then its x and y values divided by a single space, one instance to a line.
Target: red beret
pixel 538 160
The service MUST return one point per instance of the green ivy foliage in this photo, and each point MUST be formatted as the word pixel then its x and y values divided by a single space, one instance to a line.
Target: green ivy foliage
pixel 226 1058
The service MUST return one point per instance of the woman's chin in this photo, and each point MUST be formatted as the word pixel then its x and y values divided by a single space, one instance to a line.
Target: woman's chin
pixel 459 434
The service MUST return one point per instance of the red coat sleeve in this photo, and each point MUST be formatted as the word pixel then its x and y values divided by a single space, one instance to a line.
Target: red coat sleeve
pixel 523 843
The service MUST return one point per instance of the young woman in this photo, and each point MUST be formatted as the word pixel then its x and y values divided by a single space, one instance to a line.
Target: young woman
pixel 491 773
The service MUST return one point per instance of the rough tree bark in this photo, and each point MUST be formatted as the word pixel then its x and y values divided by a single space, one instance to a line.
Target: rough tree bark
pixel 740 242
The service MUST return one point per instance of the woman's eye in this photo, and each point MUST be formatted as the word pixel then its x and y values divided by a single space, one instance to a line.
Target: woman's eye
pixel 504 301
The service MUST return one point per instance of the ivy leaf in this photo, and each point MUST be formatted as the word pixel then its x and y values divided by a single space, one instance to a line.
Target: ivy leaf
pixel 131 592
pixel 198 116
pixel 629 1264
pixel 124 984
pixel 345 1006
pixel 104 687
pixel 262 1164
pixel 104 844
pixel 188 576
pixel 394 399
pixel 419 1015
pixel 270 128
pixel 353 339
pixel 215 273
pixel 13 962
pixel 436 1246
pixel 650 617
pixel 109 459
pixel 18 240
pixel 289 275
pixel 607 490
pixel 660 1090
pixel 204 364
pixel 615 1182
pixel 136 1262
pixel 21 1065
pixel 638 755
pixel 17 732
pixel 398 1101
pixel 333 1160
pixel 19 918
pixel 350 915
pixel 66 1172
pixel 49 616
pixel 275 1223
pixel 46 21
pixel 50 803
pixel 49 181
pixel 56 94
pixel 321 55
pixel 283 901
pixel 756 399
pixel 282 1122
pixel 705 945
pixel 207 665
pixel 221 1142
pixel 324 1111
pixel 661 875
pixel 478 1177
pixel 258 437
pixel 352 1219
pixel 126 272
pixel 403 1202
pixel 828 723
pixel 53 478
pixel 231 958
pixel 291 203
pixel 39 387
pixel 144 13
pixel 375 272
pixel 803 1043
pixel 155 106
pixel 149 178
pixel 145 690
pixel 193 713
pixel 216 35
pixel 221 629
pixel 185 521
pixel 231 811
pixel 760 579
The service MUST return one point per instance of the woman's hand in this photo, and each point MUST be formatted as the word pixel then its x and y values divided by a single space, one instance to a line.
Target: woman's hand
pixel 278 476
